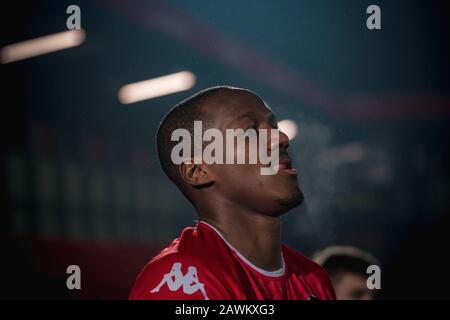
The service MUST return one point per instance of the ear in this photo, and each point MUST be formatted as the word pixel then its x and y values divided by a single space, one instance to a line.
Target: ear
pixel 195 175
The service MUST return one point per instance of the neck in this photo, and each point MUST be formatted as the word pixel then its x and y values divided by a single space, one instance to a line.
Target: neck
pixel 257 237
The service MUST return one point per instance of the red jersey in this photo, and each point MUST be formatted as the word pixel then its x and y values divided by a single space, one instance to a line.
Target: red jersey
pixel 202 265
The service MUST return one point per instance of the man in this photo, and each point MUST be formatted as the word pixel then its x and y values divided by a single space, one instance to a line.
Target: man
pixel 235 250
pixel 347 267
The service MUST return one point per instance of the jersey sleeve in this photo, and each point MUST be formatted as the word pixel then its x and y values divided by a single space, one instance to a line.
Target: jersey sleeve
pixel 175 279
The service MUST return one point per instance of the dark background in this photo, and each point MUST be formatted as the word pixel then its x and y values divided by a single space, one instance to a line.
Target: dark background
pixel 80 178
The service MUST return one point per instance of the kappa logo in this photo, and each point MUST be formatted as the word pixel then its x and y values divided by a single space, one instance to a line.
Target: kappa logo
pixel 175 280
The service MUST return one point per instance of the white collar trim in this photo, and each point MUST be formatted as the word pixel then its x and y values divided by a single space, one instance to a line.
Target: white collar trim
pixel 275 273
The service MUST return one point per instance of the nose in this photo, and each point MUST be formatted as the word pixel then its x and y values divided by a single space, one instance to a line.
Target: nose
pixel 284 140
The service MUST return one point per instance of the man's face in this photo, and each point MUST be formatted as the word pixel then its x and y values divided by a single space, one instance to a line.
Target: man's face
pixel 243 183
pixel 353 286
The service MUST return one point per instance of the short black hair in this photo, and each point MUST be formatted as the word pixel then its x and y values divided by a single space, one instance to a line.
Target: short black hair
pixel 337 260
pixel 182 116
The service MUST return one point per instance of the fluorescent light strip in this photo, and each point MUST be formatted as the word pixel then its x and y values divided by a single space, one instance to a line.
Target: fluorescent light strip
pixel 156 87
pixel 42 45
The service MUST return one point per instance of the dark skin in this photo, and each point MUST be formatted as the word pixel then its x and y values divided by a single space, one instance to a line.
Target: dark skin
pixel 235 198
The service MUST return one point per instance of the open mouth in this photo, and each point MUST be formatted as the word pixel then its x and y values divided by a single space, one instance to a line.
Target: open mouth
pixel 285 165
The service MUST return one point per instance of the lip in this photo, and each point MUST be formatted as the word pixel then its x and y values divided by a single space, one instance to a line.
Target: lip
pixel 285 165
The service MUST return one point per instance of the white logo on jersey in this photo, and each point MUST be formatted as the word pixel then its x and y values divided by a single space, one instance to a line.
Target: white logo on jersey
pixel 175 280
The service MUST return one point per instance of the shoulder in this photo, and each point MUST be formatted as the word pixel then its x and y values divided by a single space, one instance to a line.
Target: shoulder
pixel 177 272
pixel 313 273
pixel 296 260
pixel 165 275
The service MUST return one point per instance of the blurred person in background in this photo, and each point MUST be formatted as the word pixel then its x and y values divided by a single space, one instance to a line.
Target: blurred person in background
pixel 347 268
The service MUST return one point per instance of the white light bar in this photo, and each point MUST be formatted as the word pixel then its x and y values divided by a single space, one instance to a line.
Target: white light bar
pixel 42 45
pixel 156 87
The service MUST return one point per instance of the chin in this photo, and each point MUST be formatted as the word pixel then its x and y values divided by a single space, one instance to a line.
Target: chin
pixel 294 199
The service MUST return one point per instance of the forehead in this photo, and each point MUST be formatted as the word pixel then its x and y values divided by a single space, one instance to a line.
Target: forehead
pixel 353 280
pixel 237 105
